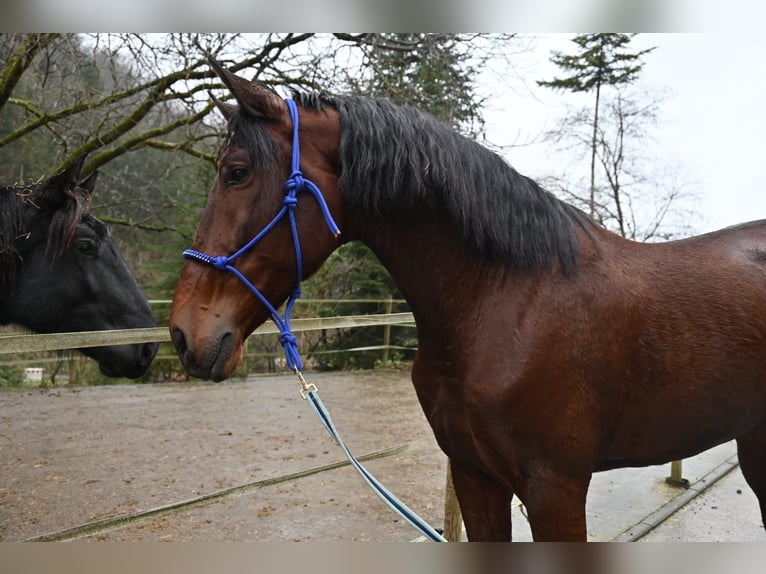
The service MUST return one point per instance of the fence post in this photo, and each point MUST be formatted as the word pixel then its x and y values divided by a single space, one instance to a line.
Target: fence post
pixel 453 520
pixel 387 331
pixel 74 371
pixel 676 477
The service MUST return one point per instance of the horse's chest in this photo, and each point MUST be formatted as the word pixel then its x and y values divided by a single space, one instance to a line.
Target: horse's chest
pixel 462 427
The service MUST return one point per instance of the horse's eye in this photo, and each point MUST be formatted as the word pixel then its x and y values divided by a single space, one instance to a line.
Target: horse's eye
pixel 86 246
pixel 235 174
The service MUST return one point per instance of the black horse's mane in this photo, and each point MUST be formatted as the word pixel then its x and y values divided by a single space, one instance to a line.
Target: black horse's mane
pixel 24 206
pixel 11 226
pixel 392 155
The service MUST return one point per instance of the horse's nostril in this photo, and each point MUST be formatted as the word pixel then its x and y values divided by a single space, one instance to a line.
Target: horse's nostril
pixel 179 341
pixel 148 350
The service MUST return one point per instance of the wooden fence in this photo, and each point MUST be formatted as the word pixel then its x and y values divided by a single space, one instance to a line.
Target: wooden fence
pixel 18 342
pixel 32 342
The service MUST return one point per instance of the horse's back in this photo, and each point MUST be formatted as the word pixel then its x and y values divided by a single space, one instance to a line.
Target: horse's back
pixel 744 238
pixel 689 357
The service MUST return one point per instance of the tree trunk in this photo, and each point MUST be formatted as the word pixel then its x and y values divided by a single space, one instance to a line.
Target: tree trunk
pixel 593 143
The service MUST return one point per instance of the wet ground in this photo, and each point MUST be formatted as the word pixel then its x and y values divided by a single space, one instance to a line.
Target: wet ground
pixel 726 512
pixel 75 456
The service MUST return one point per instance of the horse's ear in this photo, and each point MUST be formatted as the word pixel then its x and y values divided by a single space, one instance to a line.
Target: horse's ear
pixel 67 179
pixel 90 183
pixel 253 97
pixel 58 188
pixel 223 107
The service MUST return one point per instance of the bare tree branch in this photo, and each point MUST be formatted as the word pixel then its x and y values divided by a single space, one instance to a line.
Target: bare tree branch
pixel 19 59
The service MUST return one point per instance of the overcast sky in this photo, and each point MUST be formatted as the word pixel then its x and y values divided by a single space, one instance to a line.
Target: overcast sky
pixel 713 117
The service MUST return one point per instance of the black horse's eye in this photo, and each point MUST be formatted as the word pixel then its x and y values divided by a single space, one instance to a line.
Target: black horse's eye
pixel 86 246
pixel 235 174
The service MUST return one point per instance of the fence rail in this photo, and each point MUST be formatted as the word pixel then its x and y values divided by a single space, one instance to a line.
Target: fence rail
pixel 33 342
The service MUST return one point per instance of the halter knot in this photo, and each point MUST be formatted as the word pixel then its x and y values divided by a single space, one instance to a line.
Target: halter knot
pixel 290 201
pixel 295 182
pixel 286 339
pixel 219 262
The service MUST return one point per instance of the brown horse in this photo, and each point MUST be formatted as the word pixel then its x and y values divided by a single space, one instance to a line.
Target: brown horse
pixel 549 347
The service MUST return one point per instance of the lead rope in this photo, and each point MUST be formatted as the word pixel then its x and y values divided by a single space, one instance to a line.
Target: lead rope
pixel 310 393
pixel 293 185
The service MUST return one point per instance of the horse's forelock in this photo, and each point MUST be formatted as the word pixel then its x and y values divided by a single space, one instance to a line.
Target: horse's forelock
pixel 253 136
pixel 64 221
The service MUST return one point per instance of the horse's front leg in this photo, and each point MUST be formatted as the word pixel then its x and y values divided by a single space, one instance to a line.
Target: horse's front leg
pixel 556 506
pixel 484 503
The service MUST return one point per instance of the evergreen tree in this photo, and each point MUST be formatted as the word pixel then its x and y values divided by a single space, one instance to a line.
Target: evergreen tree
pixel 430 71
pixel 602 60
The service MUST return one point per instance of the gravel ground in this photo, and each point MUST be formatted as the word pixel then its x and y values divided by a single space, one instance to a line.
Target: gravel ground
pixel 70 456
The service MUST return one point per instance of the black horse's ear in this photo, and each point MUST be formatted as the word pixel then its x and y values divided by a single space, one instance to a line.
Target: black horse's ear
pixel 57 189
pixel 67 179
pixel 255 98
pixel 89 183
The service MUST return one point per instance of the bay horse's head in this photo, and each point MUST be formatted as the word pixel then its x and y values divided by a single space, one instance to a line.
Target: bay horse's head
pixel 61 271
pixel 229 286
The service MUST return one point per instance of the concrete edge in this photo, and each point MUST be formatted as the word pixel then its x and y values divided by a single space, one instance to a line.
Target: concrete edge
pixel 651 521
pixel 654 519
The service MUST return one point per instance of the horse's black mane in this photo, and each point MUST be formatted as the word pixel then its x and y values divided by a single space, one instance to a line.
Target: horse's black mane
pixel 22 207
pixel 392 155
pixel 11 226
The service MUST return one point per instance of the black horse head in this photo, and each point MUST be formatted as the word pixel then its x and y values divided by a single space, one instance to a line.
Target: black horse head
pixel 61 271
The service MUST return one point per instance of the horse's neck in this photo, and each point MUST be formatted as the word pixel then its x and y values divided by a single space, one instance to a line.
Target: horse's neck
pixel 453 292
pixel 441 279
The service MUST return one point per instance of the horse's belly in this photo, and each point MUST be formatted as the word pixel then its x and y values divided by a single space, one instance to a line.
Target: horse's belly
pixel 673 430
pixel 659 455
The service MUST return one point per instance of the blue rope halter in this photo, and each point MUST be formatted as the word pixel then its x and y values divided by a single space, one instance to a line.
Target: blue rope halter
pixel 294 184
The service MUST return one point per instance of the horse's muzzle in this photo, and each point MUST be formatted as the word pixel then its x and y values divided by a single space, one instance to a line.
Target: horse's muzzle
pixel 209 360
pixel 129 361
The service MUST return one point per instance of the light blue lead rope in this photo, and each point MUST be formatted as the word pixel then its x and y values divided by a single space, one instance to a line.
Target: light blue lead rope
pixel 295 184
pixel 310 393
